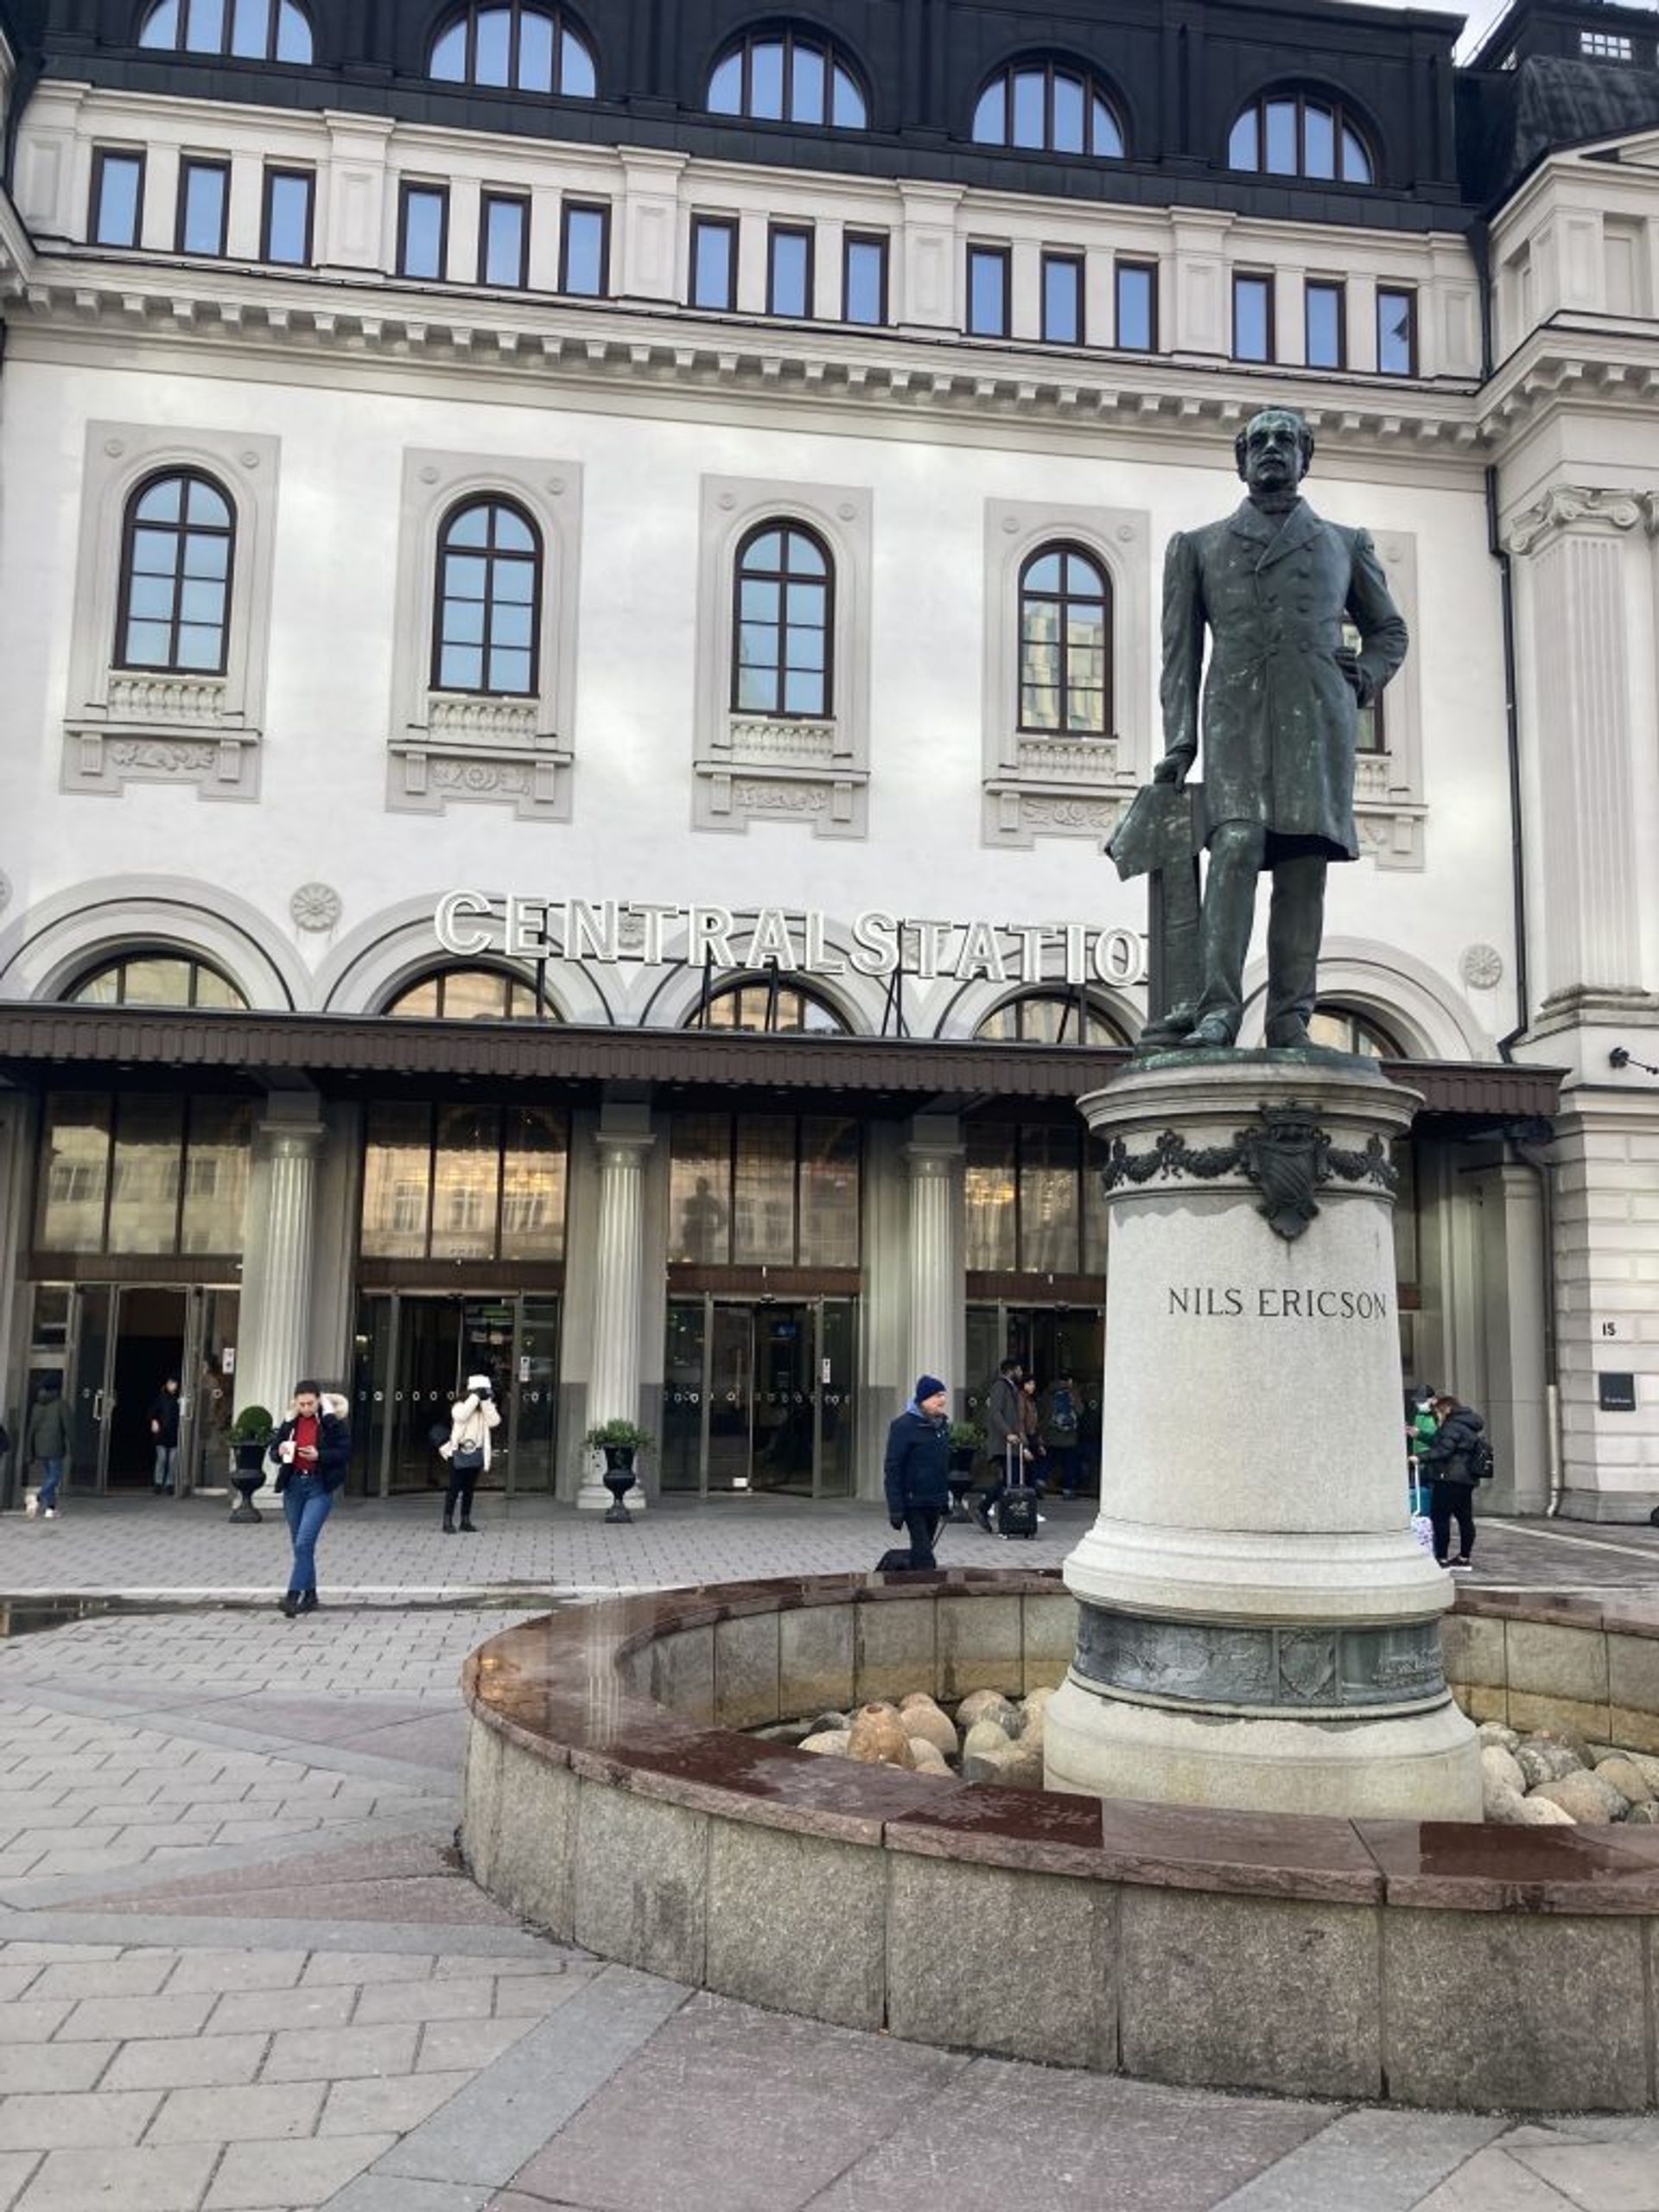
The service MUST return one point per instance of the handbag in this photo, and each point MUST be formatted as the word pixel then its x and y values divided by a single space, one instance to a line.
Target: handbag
pixel 467 1459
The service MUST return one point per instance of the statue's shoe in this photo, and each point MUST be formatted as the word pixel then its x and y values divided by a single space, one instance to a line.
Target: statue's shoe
pixel 1212 1033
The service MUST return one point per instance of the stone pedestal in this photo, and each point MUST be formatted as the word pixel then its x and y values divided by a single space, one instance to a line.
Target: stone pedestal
pixel 1260 1628
pixel 613 1391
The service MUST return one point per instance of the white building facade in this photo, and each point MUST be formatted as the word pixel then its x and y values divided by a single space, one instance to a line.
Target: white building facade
pixel 571 655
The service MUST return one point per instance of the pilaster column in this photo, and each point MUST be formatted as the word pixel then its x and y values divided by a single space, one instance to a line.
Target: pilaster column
pixel 277 1266
pixel 934 1159
pixel 613 1386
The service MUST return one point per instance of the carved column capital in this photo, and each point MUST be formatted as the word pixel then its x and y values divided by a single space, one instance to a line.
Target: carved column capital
pixel 1567 506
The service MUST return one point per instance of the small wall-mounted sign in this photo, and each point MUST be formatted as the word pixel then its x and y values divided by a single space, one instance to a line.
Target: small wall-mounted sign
pixel 1616 1332
pixel 1617 1393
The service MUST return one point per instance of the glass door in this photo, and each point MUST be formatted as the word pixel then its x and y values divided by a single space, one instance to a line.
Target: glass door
pixel 209 1391
pixel 428 1361
pixel 532 1413
pixel 685 1395
pixel 783 1423
pixel 838 1403
pixel 730 1451
pixel 87 1385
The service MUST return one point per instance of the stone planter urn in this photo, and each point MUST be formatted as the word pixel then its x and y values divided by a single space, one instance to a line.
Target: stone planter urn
pixel 619 1478
pixel 247 1475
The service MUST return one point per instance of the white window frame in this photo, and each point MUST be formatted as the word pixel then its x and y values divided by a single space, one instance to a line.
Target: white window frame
pixel 1061 785
pixel 772 768
pixel 447 748
pixel 122 724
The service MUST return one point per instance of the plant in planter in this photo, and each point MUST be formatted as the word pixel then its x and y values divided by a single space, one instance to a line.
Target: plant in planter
pixel 250 1435
pixel 967 1442
pixel 619 1440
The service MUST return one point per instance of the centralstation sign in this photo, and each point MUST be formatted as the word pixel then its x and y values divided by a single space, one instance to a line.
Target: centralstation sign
pixel 805 942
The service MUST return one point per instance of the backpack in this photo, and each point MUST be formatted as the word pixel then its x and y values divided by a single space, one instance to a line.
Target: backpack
pixel 1480 1461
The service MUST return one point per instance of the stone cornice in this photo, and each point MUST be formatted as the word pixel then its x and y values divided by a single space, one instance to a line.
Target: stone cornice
pixel 251 312
pixel 1593 369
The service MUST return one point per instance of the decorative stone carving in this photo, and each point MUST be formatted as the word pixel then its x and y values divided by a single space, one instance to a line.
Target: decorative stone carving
pixel 1481 966
pixel 750 737
pixel 170 700
pixel 1564 505
pixel 480 721
pixel 315 906
pixel 1304 1669
pixel 1069 760
pixel 1286 1154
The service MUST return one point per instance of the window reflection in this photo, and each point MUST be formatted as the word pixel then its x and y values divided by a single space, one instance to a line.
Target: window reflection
pixel 469 995
pixel 1034 1203
pixel 474 1181
pixel 769 1007
pixel 1050 1018
pixel 771 1190
pixel 146 1173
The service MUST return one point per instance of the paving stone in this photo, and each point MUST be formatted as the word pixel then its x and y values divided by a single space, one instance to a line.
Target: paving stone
pixel 16 2167
pixel 447 2044
pixel 364 1967
pixel 55 2067
pixel 377 2193
pixel 425 2000
pixel 398 2102
pixel 1600 2176
pixel 101 2118
pixel 536 1993
pixel 1493 2181
pixel 137 2180
pixel 119 2018
pixel 33 2020
pixel 192 2062
pixel 1372 2161
pixel 263 2112
pixel 342 2054
pixel 227 1970
pixel 142 1973
pixel 243 2010
pixel 288 2176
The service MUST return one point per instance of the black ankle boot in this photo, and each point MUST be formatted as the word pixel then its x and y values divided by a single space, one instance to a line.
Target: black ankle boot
pixel 291 1604
pixel 308 1602
pixel 466 1528
pixel 448 1525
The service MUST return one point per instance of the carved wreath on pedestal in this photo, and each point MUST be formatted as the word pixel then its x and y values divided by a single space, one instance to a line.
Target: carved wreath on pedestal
pixel 1286 1155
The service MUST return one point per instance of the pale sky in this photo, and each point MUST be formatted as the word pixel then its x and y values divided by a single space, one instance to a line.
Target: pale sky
pixel 1480 17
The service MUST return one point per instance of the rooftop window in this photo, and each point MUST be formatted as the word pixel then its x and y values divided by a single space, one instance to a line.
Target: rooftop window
pixel 517 48
pixel 1050 108
pixel 248 30
pixel 1296 134
pixel 787 76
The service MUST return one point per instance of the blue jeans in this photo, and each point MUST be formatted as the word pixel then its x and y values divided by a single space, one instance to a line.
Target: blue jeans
pixel 307 1503
pixel 51 1482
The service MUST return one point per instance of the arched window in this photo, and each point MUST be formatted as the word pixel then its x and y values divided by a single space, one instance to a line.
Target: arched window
pixel 469 995
pixel 769 1005
pixel 787 77
pixel 249 30
pixel 1298 134
pixel 177 547
pixel 782 632
pixel 488 600
pixel 1050 1018
pixel 1066 668
pixel 1049 107
pixel 155 979
pixel 519 47
pixel 1343 1029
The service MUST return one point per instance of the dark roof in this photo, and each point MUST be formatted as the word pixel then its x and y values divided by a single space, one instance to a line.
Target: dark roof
pixel 365 1054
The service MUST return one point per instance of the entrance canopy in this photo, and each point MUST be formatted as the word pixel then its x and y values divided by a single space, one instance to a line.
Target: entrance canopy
pixel 351 1055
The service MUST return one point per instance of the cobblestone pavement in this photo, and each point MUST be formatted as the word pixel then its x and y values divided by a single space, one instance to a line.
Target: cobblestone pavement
pixel 397 1551
pixel 241 1972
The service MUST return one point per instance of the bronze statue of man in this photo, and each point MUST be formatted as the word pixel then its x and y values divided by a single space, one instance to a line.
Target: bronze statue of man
pixel 1280 704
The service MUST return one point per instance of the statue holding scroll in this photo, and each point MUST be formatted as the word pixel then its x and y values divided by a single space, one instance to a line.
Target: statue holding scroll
pixel 1273 584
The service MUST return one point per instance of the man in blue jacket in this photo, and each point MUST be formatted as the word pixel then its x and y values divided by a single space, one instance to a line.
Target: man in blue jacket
pixel 917 1468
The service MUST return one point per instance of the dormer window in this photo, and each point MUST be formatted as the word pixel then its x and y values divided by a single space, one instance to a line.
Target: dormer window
pixel 515 48
pixel 247 30
pixel 1050 108
pixel 1299 134
pixel 788 76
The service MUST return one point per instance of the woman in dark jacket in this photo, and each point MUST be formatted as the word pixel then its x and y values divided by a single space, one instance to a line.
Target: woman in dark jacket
pixel 312 1450
pixel 1445 1464
pixel 917 1468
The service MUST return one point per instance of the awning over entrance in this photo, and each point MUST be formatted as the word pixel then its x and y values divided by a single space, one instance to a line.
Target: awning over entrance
pixel 358 1054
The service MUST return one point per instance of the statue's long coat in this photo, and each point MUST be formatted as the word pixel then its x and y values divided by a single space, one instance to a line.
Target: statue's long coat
pixel 1279 718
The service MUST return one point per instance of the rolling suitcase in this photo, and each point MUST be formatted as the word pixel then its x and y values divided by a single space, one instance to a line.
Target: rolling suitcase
pixel 1016 1509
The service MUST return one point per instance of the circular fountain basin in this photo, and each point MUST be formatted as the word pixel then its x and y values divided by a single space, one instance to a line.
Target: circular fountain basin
pixel 611 1799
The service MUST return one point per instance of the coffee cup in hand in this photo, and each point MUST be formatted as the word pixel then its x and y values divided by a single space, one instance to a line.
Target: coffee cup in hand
pixel 285 1453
